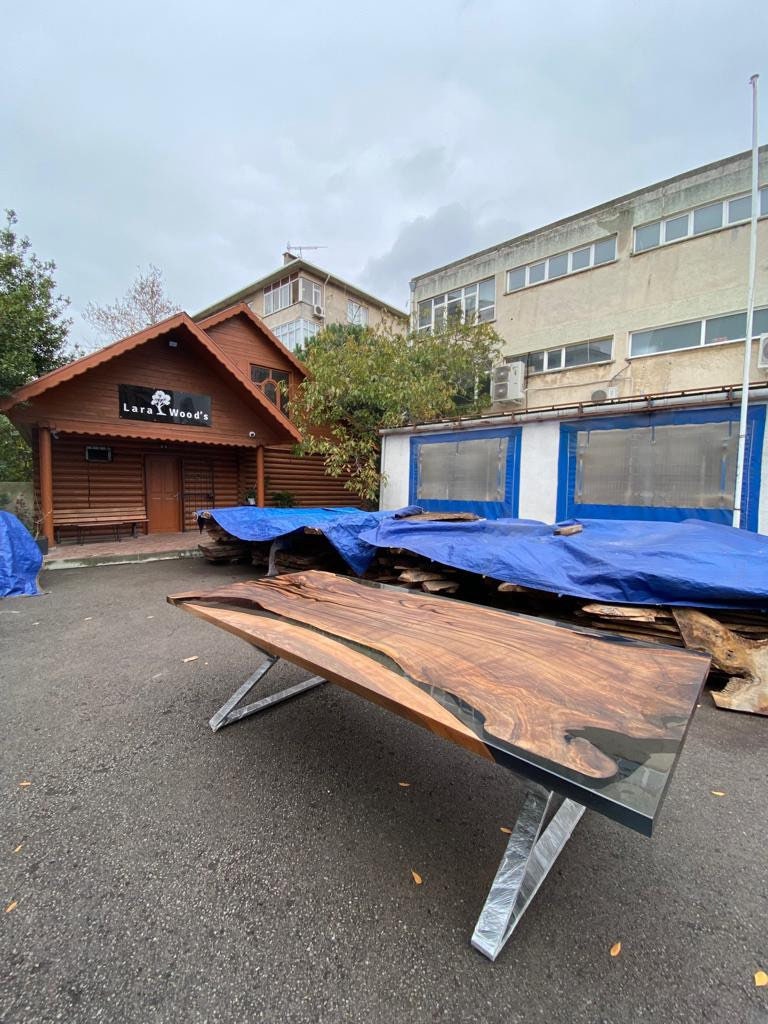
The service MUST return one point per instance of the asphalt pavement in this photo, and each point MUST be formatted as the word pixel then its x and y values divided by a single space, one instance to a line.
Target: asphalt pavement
pixel 153 871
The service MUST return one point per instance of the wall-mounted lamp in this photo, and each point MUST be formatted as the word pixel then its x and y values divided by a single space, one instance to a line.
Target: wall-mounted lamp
pixel 172 343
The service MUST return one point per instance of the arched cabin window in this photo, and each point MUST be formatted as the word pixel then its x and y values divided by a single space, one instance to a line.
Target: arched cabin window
pixel 274 383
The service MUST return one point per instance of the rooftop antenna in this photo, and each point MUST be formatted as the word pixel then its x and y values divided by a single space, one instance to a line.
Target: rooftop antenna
pixel 301 249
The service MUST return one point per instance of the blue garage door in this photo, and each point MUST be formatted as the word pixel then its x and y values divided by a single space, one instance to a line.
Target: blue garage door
pixel 468 471
pixel 660 466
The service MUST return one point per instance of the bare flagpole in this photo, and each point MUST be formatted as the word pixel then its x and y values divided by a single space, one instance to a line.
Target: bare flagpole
pixel 750 312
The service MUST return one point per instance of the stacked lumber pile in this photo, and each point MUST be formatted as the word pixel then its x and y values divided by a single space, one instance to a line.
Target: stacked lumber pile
pixel 220 547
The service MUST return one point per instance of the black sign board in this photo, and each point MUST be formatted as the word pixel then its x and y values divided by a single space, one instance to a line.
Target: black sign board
pixel 162 405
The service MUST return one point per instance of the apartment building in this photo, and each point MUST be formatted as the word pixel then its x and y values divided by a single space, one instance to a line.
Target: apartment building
pixel 642 295
pixel 298 299
pixel 623 330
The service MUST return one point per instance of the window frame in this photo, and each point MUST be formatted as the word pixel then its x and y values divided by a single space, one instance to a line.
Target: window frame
pixel 508 508
pixel 440 302
pixel 568 254
pixel 361 310
pixel 702 335
pixel 562 349
pixel 690 212
pixel 285 377
pixel 306 328
pixel 567 508
pixel 299 280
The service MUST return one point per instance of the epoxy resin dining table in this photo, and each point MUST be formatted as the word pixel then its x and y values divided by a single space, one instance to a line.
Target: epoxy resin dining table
pixel 587 719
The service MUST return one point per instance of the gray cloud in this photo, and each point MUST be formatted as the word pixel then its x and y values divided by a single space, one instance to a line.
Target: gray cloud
pixel 203 139
pixel 426 169
pixel 423 243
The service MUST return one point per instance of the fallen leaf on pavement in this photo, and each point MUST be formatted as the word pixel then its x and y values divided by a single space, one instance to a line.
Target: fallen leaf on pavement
pixel 615 949
pixel 405 785
pixel 150 616
pixel 87 618
pixel 11 906
pixel 417 877
pixel 194 657
pixel 717 792
pixel 505 830
pixel 761 979
pixel 25 783
pixel 18 847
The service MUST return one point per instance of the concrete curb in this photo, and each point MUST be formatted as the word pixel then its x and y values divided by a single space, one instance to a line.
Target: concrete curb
pixel 86 561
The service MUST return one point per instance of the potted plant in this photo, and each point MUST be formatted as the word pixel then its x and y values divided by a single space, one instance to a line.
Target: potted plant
pixel 284 499
pixel 250 496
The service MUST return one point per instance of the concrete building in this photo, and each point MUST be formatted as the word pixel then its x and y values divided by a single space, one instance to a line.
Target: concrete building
pixel 623 332
pixel 641 295
pixel 298 299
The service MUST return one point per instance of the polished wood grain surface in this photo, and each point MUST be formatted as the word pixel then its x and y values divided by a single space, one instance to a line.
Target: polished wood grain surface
pixel 481 677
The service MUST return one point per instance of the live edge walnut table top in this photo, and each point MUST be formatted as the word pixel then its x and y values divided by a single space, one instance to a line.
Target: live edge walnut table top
pixel 597 718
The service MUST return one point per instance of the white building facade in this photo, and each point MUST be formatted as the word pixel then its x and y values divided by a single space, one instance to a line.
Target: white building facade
pixel 624 328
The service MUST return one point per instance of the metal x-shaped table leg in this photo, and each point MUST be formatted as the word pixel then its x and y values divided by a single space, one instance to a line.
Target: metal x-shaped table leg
pixel 228 713
pixel 524 866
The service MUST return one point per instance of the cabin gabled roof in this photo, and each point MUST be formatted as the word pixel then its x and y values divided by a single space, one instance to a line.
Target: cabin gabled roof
pixel 38 387
pixel 243 309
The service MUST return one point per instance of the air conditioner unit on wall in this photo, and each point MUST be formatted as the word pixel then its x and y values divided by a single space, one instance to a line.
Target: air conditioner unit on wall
pixel 507 380
pixel 318 311
pixel 605 394
pixel 762 352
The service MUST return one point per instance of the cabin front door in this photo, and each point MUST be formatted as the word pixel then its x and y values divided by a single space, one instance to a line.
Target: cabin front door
pixel 163 497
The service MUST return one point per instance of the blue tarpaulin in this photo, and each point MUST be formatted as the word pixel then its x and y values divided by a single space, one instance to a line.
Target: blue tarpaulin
pixel 688 563
pixel 341 526
pixel 20 558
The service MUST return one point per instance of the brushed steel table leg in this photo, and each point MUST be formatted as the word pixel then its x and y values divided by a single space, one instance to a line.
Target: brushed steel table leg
pixel 526 863
pixel 228 713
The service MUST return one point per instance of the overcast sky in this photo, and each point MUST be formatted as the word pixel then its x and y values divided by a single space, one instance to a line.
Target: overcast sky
pixel 400 135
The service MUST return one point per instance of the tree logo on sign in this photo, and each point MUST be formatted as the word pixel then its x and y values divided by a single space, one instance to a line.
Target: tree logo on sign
pixel 160 399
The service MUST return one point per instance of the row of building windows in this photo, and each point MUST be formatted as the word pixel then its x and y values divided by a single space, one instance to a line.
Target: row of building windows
pixel 295 333
pixel 564 357
pixel 298 332
pixel 474 303
pixel 723 213
pixel 695 333
pixel 288 290
pixel 698 221
pixel 564 263
pixel 712 330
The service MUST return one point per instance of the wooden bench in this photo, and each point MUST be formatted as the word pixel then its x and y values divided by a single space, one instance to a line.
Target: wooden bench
pixel 114 518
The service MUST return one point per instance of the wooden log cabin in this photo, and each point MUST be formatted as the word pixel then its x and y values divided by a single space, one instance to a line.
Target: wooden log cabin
pixel 178 417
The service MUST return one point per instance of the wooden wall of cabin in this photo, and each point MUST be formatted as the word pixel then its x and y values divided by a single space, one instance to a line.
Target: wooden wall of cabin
pixel 304 478
pixel 81 484
pixel 246 345
pixel 90 401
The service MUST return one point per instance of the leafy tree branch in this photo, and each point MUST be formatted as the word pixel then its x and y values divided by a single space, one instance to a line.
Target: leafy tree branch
pixel 362 380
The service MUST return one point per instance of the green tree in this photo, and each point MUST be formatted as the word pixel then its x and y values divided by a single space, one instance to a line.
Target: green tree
pixel 363 380
pixel 15 453
pixel 33 324
pixel 33 334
